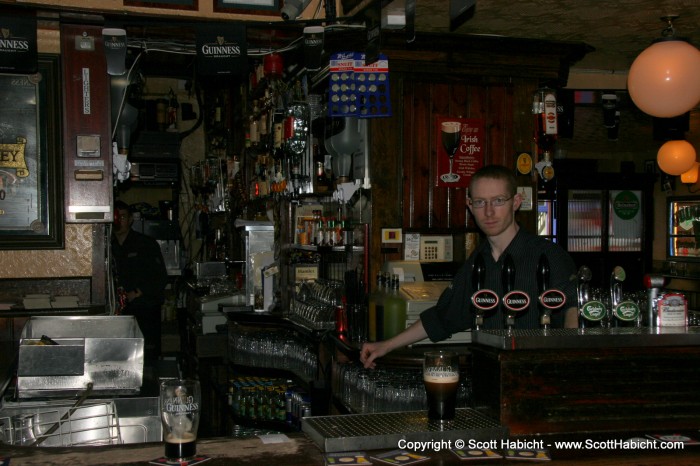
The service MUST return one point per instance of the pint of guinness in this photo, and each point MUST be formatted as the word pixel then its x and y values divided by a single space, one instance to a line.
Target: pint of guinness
pixel 441 379
pixel 180 408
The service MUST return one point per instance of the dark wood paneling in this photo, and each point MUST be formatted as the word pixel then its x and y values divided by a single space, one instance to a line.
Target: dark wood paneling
pixel 429 206
pixel 473 77
pixel 589 390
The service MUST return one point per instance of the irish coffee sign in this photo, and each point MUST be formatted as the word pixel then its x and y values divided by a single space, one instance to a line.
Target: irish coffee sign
pixel 460 150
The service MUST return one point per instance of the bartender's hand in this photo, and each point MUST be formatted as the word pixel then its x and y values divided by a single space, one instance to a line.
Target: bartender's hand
pixel 372 351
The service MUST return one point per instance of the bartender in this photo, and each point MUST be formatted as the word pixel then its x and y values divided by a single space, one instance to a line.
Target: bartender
pixel 141 277
pixel 493 201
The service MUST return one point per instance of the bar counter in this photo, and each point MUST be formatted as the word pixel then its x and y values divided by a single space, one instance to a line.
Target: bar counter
pixel 301 451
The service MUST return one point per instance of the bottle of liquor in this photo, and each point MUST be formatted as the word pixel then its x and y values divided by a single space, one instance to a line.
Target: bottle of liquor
pixel 394 310
pixel 254 127
pixel 376 307
pixel 544 109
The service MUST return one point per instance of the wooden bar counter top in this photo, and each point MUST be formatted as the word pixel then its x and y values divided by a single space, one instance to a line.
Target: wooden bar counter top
pixel 299 450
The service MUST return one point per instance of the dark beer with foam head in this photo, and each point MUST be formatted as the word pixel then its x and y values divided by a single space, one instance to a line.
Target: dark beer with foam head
pixel 441 379
pixel 184 447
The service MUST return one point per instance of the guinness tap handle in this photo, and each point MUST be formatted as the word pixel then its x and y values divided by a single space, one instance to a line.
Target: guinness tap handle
pixel 508 273
pixel 542 286
pixel 508 280
pixel 478 273
pixel 543 274
pixel 478 279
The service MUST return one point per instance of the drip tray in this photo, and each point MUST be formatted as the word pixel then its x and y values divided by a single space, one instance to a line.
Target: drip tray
pixel 383 430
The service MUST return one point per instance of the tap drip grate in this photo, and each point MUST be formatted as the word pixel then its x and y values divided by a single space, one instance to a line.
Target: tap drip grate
pixel 384 430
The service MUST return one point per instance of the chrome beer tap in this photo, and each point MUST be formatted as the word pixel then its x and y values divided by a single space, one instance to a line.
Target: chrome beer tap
pixel 583 290
pixel 478 278
pixel 616 278
pixel 653 283
pixel 508 280
pixel 483 300
pixel 542 286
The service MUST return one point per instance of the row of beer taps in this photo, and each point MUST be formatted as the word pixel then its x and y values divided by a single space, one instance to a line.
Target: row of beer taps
pixel 592 310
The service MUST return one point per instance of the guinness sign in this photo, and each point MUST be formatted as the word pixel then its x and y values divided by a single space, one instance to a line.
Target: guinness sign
pixel 18 48
pixel 516 301
pixel 552 299
pixel 222 50
pixel 485 300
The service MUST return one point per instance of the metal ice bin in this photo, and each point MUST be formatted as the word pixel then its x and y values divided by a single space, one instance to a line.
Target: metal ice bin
pixel 104 350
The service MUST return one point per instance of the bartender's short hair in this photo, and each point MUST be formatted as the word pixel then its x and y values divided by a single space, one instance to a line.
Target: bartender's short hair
pixel 121 205
pixel 496 172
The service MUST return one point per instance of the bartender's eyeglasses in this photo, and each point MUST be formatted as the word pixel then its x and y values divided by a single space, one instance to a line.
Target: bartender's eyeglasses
pixel 495 202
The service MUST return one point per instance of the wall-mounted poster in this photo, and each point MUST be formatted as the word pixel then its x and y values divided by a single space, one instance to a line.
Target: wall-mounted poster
pixel 31 192
pixel 460 150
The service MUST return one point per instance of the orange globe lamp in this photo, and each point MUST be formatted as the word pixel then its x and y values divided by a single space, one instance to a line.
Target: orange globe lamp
pixel 663 80
pixel 676 157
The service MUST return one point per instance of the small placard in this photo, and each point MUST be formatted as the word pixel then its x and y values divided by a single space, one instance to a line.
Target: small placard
pixel 306 273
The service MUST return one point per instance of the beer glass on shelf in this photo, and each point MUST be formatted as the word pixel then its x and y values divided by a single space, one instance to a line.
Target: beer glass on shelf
pixel 180 410
pixel 441 379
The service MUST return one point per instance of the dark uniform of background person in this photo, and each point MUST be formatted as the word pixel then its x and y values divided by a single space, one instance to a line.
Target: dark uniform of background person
pixel 141 273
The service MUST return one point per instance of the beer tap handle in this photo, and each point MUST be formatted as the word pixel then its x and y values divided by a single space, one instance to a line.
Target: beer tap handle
pixel 543 274
pixel 584 276
pixel 616 278
pixel 508 274
pixel 653 283
pixel 478 279
pixel 478 273
pixel 508 280
pixel 542 286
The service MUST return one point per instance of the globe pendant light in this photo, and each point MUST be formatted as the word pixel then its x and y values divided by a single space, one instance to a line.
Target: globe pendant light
pixel 664 80
pixel 691 176
pixel 676 157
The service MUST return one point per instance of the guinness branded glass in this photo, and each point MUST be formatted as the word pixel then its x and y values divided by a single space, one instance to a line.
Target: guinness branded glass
pixel 180 409
pixel 115 50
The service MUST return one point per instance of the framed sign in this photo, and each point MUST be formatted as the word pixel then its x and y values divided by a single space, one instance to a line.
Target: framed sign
pixel 263 7
pixel 683 228
pixel 460 150
pixel 31 191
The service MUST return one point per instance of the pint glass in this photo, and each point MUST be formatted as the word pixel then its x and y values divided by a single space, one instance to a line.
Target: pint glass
pixel 180 402
pixel 441 379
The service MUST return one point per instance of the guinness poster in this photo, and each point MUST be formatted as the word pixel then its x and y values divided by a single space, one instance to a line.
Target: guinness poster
pixel 18 49
pixel 222 50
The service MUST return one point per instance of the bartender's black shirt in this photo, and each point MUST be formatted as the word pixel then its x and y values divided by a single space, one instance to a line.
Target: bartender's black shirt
pixel 454 312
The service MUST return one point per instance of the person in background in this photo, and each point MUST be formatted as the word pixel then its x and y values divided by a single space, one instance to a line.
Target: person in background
pixel 141 277
pixel 493 201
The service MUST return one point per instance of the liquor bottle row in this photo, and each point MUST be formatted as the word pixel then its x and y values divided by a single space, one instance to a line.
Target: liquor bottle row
pixel 268 399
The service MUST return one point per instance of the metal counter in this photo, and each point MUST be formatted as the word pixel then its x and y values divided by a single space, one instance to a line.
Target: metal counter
pixel 383 430
pixel 587 338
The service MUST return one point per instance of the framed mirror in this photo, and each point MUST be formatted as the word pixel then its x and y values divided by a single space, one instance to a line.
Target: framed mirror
pixel 31 187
